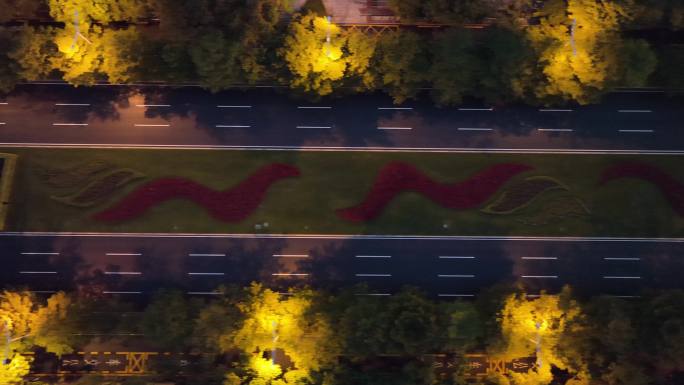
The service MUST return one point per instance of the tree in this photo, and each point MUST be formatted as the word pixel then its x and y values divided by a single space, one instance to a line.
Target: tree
pixel 169 319
pixel 401 64
pixel 441 11
pixel 14 371
pixel 637 63
pixel 18 9
pixel 319 56
pixel 655 13
pixel 216 60
pixel 9 68
pixel 100 11
pixel 34 52
pixel 455 66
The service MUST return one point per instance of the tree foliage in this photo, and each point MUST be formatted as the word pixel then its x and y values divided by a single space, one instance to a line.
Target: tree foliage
pixel 401 64
pixel 101 11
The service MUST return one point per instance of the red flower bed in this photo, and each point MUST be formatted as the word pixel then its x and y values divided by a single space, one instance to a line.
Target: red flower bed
pixel 234 204
pixel 672 189
pixel 397 177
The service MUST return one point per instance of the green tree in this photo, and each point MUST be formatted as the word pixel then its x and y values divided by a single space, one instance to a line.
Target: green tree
pixel 401 64
pixel 34 52
pixel 455 66
pixel 216 60
pixel 9 68
pixel 100 11
pixel 169 320
pixel 637 63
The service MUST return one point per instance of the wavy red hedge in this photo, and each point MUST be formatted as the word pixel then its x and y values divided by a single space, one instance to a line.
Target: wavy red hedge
pixel 397 177
pixel 230 205
pixel 672 189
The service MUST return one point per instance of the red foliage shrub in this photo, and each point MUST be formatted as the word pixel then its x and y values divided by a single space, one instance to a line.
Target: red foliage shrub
pixel 672 189
pixel 397 177
pixel 231 205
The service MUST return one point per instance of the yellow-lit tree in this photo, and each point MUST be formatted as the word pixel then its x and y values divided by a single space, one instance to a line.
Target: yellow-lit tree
pixel 320 55
pixel 102 11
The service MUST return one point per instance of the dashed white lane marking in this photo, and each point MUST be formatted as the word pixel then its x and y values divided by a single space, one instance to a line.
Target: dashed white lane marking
pixel 555 129
pixel 395 108
pixel 204 292
pixel 290 256
pixel 455 276
pixel 151 125
pixel 373 256
pixel 455 295
pixel 231 126
pixel 290 274
pixel 314 127
pixel 455 257
pixel 72 104
pixel 122 273
pixel 206 255
pixel 124 254
pixel 194 273
pixel 3 103
pixel 621 259
pixel 153 105
pixel 636 111
pixel 637 131
pixel 121 292
pixel 539 258
pixel 539 276
pixel 38 253
pixel 69 124
pixel 619 277
pixel 395 128
pixel 2 123
pixel 314 107
pixel 554 110
pixel 37 272
pixel 374 294
pixel 476 109
pixel 233 106
pixel 372 275
pixel 474 129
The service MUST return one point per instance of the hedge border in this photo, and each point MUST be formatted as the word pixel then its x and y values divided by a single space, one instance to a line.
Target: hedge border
pixel 6 184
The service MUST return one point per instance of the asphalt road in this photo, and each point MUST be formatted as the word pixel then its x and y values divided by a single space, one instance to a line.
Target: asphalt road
pixel 134 266
pixel 265 117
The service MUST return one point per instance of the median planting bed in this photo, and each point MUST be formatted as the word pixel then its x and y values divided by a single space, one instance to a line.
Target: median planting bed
pixel 347 193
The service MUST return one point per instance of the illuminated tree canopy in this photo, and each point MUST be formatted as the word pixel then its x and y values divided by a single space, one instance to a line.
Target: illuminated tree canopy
pixel 102 11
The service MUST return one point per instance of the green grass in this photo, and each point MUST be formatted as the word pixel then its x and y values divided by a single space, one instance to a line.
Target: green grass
pixel 6 185
pixel 332 180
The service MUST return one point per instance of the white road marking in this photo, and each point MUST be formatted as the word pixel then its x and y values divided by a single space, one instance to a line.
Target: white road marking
pixel 230 126
pixel 37 272
pixel 121 292
pixel 34 253
pixel 373 256
pixel 635 111
pixel 314 107
pixel 372 275
pixel 476 109
pixel 124 254
pixel 638 131
pixel 455 295
pixel 122 273
pixel 291 274
pixel 233 106
pixel 395 108
pixel 204 292
pixel 455 276
pixel 474 129
pixel 69 124
pixel 395 128
pixel 314 127
pixel 290 256
pixel 3 103
pixel 206 255
pixel 554 110
pixel 153 105
pixel 621 259
pixel 619 277
pixel 2 123
pixel 72 104
pixel 538 276
pixel 151 125
pixel 539 258
pixel 455 257
pixel 555 129
pixel 206 273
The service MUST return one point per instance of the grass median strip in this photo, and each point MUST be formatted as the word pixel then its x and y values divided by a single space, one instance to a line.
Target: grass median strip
pixel 330 181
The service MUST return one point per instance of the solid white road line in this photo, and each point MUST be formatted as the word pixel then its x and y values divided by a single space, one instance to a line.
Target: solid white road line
pixel 290 274
pixel 621 259
pixel 206 273
pixel 619 277
pixel 153 105
pixel 373 256
pixel 395 108
pixel 538 276
pixel 635 111
pixel 37 272
pixel 34 253
pixel 555 129
pixel 204 292
pixel 554 110
pixel 454 257
pixel 474 129
pixel 233 106
pixel 122 273
pixel 372 275
pixel 230 126
pixel 455 276
pixel 206 255
pixel 476 109
pixel 314 108
pixel 69 124
pixel 455 295
pixel 121 292
pixel 314 127
pixel 151 125
pixel 638 131
pixel 72 104
pixel 290 256
pixel 124 254
pixel 539 258
pixel 395 128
